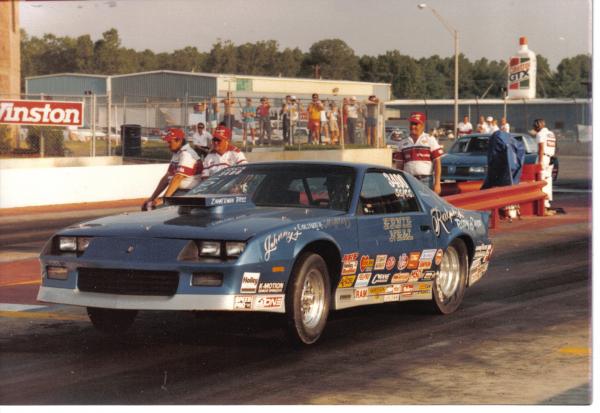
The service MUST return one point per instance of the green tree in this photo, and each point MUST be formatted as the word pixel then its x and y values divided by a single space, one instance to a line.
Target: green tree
pixel 188 59
pixel 222 58
pixel 573 75
pixel 335 59
pixel 289 63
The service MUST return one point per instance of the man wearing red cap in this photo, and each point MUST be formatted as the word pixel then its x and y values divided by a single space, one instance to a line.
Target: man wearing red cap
pixel 183 173
pixel 223 154
pixel 421 154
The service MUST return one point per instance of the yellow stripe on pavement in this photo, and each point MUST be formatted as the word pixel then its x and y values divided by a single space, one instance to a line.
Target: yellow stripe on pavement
pixel 42 316
pixel 576 351
pixel 9 284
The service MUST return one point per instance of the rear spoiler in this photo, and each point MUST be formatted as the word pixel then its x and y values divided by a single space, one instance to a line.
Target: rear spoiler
pixel 206 201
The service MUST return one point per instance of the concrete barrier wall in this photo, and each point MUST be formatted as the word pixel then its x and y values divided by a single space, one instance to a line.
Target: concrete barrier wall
pixel 41 182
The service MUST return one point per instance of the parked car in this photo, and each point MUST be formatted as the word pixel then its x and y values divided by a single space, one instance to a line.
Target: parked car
pixel 466 160
pixel 299 239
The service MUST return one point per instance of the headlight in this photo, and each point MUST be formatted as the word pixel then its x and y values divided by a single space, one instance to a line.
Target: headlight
pixel 477 169
pixel 234 249
pixel 73 244
pixel 67 243
pixel 209 249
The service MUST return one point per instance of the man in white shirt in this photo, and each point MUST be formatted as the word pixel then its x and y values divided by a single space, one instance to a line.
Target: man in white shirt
pixel 201 140
pixel 546 149
pixel 504 125
pixel 465 127
pixel 223 154
pixel 183 173
pixel 421 154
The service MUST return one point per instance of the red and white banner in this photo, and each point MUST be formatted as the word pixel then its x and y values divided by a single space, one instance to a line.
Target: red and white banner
pixel 41 112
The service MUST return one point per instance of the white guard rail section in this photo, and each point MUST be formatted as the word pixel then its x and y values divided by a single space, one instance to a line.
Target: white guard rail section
pixel 22 187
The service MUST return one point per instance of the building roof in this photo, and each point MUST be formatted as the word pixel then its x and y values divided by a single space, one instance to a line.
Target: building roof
pixel 440 102
pixel 67 74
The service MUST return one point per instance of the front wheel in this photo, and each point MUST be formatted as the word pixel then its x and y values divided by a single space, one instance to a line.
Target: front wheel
pixel 111 321
pixel 307 299
pixel 450 285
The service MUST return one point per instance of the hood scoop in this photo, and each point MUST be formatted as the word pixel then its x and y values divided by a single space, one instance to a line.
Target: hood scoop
pixel 214 204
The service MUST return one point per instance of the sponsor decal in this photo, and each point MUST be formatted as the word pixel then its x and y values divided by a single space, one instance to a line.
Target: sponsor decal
pixel 350 257
pixel 402 261
pixel 349 268
pixel 249 282
pixel 242 302
pixel 345 297
pixel 347 281
pixel 268 302
pixel 424 265
pixel 429 275
pixel 407 289
pixel 400 277
pixel 413 260
pixel 272 241
pixel 361 293
pixel 317 226
pixel 390 263
pixel 270 288
pixel 424 286
pixel 380 262
pixel 398 228
pixel 228 200
pixel 363 279
pixel 396 289
pixel 428 255
pixel 441 219
pixel 380 278
pixel 366 263
pixel 438 256
pixel 401 188
pixel 391 297
pixel 389 289
pixel 41 112
pixel 377 290
pixel 414 275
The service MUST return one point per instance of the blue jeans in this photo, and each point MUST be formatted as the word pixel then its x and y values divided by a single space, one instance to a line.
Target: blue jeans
pixel 426 180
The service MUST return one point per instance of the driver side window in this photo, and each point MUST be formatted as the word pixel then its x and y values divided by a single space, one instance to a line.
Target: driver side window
pixel 386 193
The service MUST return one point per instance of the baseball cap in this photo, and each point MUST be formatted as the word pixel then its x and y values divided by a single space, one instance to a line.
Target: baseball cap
pixel 417 117
pixel 353 98
pixel 489 119
pixel 222 133
pixel 174 133
pixel 293 97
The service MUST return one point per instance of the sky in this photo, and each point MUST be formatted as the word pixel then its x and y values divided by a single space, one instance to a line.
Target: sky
pixel 487 28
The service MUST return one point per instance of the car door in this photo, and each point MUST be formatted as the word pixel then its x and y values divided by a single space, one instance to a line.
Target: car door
pixel 395 238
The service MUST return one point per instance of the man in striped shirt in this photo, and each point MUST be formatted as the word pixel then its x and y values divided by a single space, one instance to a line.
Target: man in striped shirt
pixel 223 155
pixel 421 154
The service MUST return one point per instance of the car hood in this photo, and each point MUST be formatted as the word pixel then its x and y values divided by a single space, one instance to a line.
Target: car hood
pixel 471 159
pixel 227 224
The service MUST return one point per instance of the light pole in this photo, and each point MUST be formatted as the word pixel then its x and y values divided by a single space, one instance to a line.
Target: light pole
pixel 454 33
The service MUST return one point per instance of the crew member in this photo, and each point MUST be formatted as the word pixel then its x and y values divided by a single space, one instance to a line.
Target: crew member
pixel 223 155
pixel 201 140
pixel 183 173
pixel 465 127
pixel 546 142
pixel 421 154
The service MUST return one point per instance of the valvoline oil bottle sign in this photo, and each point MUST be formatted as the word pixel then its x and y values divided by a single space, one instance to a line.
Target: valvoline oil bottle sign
pixel 522 73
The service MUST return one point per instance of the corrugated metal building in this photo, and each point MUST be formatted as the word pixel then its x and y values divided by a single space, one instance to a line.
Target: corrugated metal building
pixel 66 84
pixel 560 114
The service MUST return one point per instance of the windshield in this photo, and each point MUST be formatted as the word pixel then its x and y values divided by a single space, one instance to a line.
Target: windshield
pixel 302 186
pixel 472 144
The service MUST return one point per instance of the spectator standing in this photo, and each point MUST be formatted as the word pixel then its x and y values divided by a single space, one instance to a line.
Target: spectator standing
pixel 504 125
pixel 314 119
pixel 228 115
pixel 285 118
pixel 248 123
pixel 294 116
pixel 332 120
pixel 200 113
pixel 345 103
pixel 324 124
pixel 546 142
pixel 264 117
pixel 212 114
pixel 353 110
pixel 493 126
pixel 481 125
pixel 421 154
pixel 465 127
pixel 201 140
pixel 372 105
pixel 183 172
pixel 223 153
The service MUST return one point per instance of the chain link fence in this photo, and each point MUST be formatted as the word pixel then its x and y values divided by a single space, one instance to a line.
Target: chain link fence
pixel 280 125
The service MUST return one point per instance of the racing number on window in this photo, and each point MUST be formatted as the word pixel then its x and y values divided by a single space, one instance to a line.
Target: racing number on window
pixel 386 193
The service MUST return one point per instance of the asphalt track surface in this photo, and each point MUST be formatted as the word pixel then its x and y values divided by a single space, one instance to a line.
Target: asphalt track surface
pixel 521 336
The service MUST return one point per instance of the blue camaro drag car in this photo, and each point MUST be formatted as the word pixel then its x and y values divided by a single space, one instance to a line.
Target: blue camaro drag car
pixel 298 238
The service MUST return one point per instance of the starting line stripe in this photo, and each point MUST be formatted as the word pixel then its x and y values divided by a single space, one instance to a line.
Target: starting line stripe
pixel 20 307
pixel 10 284
pixel 41 316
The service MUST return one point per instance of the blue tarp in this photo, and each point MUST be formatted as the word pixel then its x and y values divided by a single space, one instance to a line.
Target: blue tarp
pixel 505 157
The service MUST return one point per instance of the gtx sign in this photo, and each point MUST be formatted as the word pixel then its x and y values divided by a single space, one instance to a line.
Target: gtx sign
pixel 41 112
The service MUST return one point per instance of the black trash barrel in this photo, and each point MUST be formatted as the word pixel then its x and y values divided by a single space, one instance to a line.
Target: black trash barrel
pixel 131 136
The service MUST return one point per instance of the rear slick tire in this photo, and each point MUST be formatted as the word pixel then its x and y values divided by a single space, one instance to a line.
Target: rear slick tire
pixel 449 286
pixel 307 299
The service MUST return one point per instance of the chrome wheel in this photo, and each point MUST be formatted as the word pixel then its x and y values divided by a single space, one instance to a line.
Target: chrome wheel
pixel 312 299
pixel 449 277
